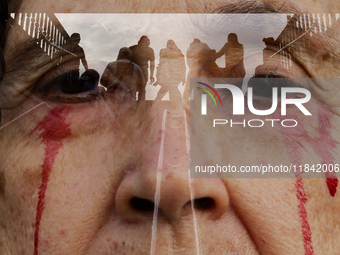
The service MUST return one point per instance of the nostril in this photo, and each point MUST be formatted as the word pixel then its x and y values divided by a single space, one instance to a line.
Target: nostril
pixel 204 203
pixel 134 199
pixel 141 204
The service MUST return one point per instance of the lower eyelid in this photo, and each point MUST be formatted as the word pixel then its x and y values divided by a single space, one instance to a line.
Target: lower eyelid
pixel 77 98
pixel 69 85
pixel 277 65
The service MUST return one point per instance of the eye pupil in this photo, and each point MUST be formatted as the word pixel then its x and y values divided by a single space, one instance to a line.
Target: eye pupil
pixel 71 83
pixel 89 80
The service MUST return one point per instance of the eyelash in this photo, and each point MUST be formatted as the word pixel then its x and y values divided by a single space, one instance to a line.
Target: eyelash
pixel 52 90
pixel 87 97
pixel 265 101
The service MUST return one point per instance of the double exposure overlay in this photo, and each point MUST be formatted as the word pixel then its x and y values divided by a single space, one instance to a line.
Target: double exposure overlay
pixel 169 128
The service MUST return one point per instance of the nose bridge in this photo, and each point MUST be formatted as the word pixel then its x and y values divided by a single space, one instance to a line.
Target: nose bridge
pixel 167 145
pixel 172 182
pixel 166 155
pixel 175 141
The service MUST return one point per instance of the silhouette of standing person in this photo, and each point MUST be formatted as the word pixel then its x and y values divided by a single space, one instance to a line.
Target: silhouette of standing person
pixel 141 55
pixel 233 52
pixel 123 77
pixel 171 71
pixel 76 49
pixel 201 62
pixel 72 45
pixel 72 67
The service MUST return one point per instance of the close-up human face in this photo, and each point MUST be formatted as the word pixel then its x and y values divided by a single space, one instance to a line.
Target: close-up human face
pixel 113 146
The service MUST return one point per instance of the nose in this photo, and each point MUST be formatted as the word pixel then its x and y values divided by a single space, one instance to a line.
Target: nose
pixel 160 182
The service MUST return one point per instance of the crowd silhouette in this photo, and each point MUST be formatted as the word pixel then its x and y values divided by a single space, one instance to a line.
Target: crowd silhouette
pixel 135 66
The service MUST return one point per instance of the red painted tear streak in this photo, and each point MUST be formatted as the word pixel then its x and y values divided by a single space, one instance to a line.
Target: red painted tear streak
pixel 306 231
pixel 55 129
pixel 323 146
pixel 293 138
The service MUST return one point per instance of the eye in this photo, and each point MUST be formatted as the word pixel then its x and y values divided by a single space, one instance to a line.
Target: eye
pixel 70 87
pixel 263 85
pixel 262 89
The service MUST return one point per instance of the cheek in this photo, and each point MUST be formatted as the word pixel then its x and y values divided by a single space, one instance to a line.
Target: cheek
pixel 264 203
pixel 76 168
pixel 61 156
pixel 103 116
pixel 319 138
pixel 85 176
pixel 20 159
pixel 54 130
pixel 21 167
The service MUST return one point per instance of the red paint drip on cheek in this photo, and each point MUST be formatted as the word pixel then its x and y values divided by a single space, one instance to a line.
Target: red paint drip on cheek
pixel 54 129
pixel 293 138
pixel 323 146
pixel 306 231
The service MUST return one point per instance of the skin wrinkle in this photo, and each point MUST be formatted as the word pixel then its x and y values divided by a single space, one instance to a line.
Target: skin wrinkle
pixel 31 51
pixel 332 48
pixel 39 63
pixel 234 211
pixel 281 6
pixel 331 52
